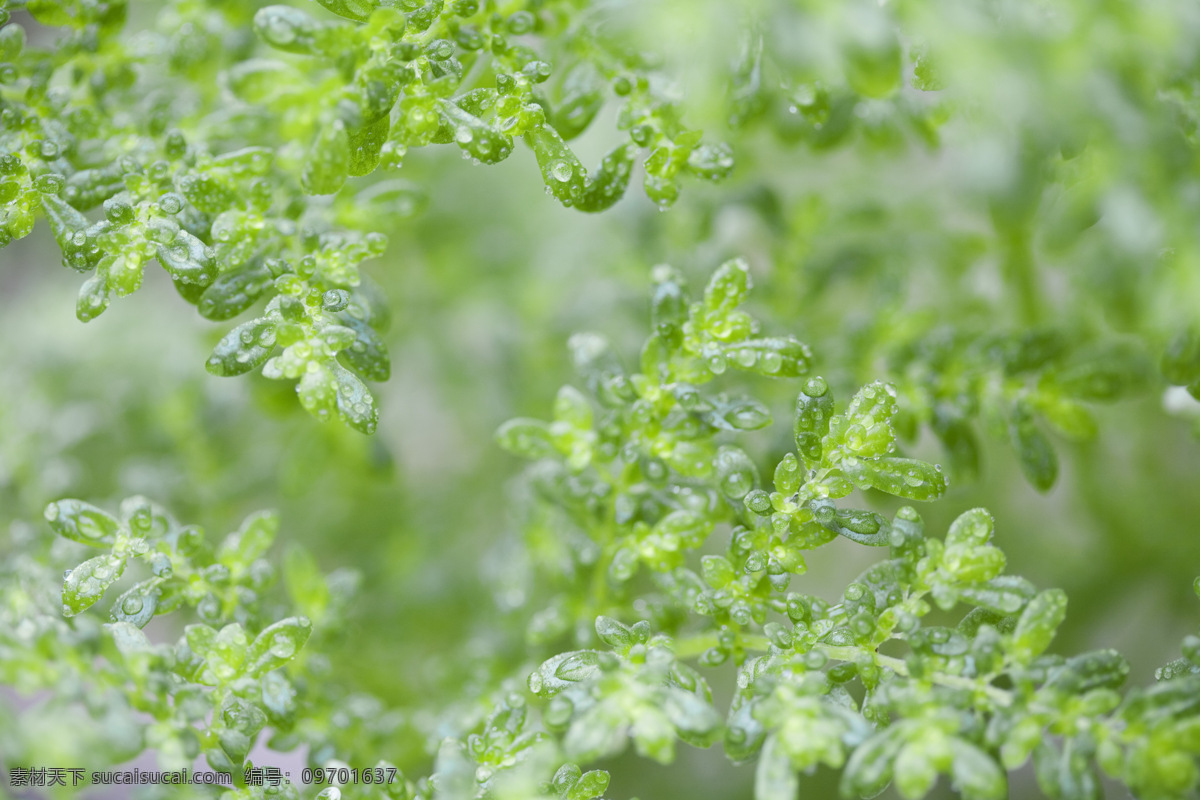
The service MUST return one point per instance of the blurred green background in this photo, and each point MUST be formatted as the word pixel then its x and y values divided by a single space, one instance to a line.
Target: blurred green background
pixel 1052 181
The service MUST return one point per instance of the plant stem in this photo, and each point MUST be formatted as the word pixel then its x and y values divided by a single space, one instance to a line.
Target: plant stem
pixel 693 646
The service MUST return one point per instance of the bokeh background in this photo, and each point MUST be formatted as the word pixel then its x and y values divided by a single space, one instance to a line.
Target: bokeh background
pixel 1045 176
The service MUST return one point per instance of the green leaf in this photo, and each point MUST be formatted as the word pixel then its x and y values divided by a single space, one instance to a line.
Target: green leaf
pixel 1105 375
pixel 902 477
pixel 328 161
pixel 735 471
pixel 718 572
pixel 70 229
pixel 210 192
pixel 1068 417
pixel 277 644
pixel 477 138
pixel 1038 624
pixel 93 298
pixel 653 736
pixel 318 390
pixel 1181 358
pixel 863 527
pixel 778 357
pixel 234 292
pixel 591 784
pixel 528 438
pixel 287 29
pixel 971 528
pixel 82 522
pixel 572 407
pixel 305 583
pixel 727 288
pixel 87 583
pixel 188 260
pixel 237 724
pixel 357 10
pixel 695 721
pixel 712 162
pixel 563 670
pixel 200 639
pixel 607 183
pixel 1066 776
pixel 355 403
pixel 129 639
pixel 600 731
pixel 243 349
pixel 138 604
pixel 88 188
pixel 368 355
pixel 873 63
pixel 12 42
pixel 874 403
pixel 960 441
pixel 1004 594
pixel 580 101
pixel 915 771
pixel 226 657
pixel 975 773
pixel 814 410
pixel 365 144
pixel 250 541
pixel 1034 452
pixel 617 635
pixel 1099 669
pixel 774 778
pixel 788 475
pixel 869 770
pixel 561 169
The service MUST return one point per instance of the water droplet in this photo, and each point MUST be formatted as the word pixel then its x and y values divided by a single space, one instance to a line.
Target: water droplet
pixel 132 605
pixel 335 299
pixel 209 608
pixel 170 203
pixel 160 565
pixel 745 357
pixel 561 171
pixel 283 647
pixel 50 183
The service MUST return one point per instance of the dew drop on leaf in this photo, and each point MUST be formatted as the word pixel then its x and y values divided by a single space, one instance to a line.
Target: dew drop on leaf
pixel 561 171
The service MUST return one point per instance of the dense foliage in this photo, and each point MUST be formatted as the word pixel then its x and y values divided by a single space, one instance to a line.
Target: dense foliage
pixel 972 230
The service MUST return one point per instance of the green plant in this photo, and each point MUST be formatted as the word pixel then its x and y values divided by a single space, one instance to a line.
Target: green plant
pixel 219 194
pixel 974 225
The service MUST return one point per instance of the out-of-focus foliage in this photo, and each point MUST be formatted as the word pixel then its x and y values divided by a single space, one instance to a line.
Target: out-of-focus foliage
pixel 974 221
pixel 233 122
